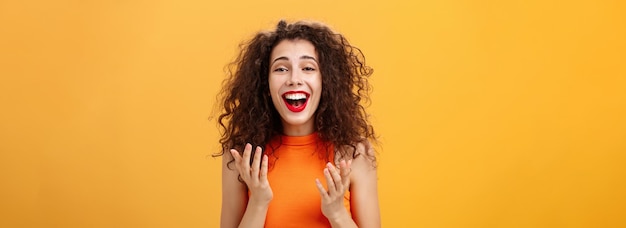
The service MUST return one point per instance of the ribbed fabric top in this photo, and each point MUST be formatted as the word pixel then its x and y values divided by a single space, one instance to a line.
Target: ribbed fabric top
pixel 292 175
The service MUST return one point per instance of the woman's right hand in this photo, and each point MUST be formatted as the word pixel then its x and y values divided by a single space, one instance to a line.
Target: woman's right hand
pixel 255 176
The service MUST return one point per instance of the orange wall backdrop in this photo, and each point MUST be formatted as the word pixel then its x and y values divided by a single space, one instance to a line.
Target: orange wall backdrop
pixel 490 113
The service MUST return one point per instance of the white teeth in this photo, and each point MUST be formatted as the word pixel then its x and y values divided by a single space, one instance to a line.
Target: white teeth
pixel 295 96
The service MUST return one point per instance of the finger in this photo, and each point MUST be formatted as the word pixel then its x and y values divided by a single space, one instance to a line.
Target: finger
pixel 345 172
pixel 235 155
pixel 246 157
pixel 237 158
pixel 256 163
pixel 264 169
pixel 336 178
pixel 329 182
pixel 321 189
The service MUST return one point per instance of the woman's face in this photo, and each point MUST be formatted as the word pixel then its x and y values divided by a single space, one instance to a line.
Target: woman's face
pixel 295 85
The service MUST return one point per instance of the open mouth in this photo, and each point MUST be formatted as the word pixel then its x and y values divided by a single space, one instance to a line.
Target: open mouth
pixel 296 100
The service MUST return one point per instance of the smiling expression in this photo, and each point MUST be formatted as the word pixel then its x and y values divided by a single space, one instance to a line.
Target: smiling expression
pixel 295 85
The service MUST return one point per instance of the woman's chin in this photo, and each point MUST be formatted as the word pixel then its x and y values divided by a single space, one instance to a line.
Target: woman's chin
pixel 296 122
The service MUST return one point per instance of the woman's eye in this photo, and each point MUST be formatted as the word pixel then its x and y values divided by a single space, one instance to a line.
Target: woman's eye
pixel 308 69
pixel 280 69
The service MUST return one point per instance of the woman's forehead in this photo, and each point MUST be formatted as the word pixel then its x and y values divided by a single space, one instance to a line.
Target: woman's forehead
pixel 293 49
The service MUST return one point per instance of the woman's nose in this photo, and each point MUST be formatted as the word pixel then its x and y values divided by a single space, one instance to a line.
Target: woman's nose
pixel 294 78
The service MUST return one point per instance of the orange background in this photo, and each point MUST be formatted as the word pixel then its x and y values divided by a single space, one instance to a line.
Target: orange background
pixel 491 114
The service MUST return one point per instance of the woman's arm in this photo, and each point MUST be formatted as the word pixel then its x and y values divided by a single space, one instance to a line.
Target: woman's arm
pixel 234 195
pixel 239 210
pixel 364 188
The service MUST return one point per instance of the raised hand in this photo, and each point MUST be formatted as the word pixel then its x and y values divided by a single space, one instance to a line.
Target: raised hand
pixel 338 182
pixel 255 175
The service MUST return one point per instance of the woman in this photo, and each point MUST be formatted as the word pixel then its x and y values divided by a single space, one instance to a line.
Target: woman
pixel 295 136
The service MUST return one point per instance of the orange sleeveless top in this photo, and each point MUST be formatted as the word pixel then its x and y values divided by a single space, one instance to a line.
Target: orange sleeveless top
pixel 294 165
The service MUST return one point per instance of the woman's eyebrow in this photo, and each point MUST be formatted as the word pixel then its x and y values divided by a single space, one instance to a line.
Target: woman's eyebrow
pixel 301 57
pixel 280 58
pixel 308 57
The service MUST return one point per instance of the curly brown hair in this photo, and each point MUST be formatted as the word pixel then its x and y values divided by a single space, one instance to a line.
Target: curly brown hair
pixel 249 116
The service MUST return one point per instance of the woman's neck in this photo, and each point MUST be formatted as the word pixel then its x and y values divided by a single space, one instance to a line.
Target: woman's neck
pixel 298 130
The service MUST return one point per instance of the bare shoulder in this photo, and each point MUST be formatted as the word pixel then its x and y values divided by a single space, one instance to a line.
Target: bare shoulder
pixel 365 156
pixel 230 175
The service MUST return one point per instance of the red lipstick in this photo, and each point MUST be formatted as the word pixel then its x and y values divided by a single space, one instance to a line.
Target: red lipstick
pixel 296 101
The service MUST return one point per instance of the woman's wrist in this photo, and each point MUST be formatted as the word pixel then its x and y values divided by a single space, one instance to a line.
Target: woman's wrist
pixel 258 203
pixel 341 217
pixel 255 214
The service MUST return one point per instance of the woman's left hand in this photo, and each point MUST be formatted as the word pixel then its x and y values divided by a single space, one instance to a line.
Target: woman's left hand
pixel 338 182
